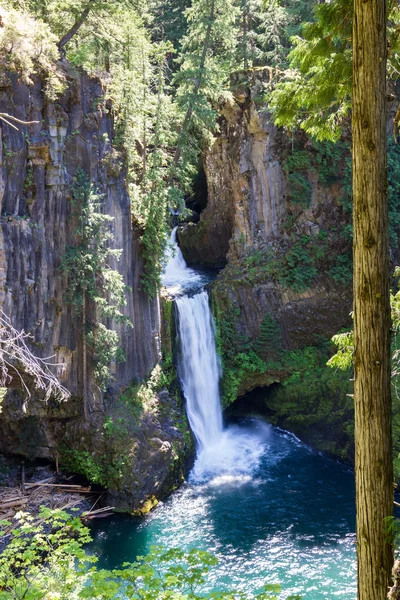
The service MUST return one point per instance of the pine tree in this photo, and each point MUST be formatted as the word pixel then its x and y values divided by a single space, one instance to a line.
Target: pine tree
pixel 315 92
pixel 206 61
pixel 372 322
pixel 95 288
pixel 169 22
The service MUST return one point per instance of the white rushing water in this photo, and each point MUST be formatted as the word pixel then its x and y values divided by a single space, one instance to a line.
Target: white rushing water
pixel 177 276
pixel 176 268
pixel 223 454
pixel 198 369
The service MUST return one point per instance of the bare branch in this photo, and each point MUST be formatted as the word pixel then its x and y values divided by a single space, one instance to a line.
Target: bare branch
pixel 15 355
pixel 5 116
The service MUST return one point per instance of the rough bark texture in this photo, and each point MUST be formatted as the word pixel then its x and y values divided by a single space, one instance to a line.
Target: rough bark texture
pixel 374 471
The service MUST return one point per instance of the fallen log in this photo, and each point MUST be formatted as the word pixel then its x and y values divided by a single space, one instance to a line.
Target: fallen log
pixel 100 516
pixel 61 486
pixel 98 511
pixel 40 482
pixel 12 503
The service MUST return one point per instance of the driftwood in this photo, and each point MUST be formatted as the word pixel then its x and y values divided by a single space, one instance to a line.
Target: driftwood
pixel 98 513
pixel 13 502
pixel 62 487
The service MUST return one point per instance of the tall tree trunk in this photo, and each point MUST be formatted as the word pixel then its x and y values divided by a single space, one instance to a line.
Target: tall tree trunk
pixel 374 468
pixel 244 32
pixel 78 23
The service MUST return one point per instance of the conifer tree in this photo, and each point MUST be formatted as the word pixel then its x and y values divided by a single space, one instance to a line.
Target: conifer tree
pixel 95 288
pixel 315 92
pixel 206 60
pixel 372 322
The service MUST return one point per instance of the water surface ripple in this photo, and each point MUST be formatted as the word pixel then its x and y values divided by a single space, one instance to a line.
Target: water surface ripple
pixel 284 514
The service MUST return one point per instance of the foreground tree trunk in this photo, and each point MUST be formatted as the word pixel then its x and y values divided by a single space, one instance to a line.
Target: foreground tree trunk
pixel 374 468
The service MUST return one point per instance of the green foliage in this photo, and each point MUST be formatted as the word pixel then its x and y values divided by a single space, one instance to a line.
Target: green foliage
pixel 107 456
pixel 298 267
pixel 326 159
pixel 82 462
pixel 47 560
pixel 393 157
pixel 44 559
pixel 343 360
pixel 92 278
pixel 394 191
pixel 269 339
pixel 342 270
pixel 207 58
pixel 276 23
pixel 169 20
pixel 236 371
pixel 315 92
pixel 28 47
pixel 313 400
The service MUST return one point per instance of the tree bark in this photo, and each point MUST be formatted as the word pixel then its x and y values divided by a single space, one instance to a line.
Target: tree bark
pixel 373 465
pixel 80 20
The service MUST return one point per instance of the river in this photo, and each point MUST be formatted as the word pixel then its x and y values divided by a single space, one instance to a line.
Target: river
pixel 271 509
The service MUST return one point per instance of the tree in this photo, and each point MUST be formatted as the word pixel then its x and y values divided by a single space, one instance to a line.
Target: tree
pixel 372 394
pixel 207 59
pixel 315 92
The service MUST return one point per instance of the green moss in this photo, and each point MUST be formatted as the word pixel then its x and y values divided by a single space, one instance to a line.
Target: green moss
pixel 313 401
pixel 324 159
pixel 296 264
pixel 167 328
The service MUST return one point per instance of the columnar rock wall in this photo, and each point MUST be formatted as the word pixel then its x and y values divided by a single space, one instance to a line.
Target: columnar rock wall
pixel 37 168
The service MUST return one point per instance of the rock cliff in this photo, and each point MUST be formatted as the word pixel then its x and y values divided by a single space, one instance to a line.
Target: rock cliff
pixel 277 220
pixel 37 168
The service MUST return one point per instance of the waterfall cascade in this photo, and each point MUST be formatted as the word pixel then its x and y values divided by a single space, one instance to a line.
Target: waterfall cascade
pixel 176 268
pixel 269 507
pixel 198 368
pixel 221 452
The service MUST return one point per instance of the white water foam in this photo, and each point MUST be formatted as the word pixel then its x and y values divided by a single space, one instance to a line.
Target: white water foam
pixel 234 458
pixel 177 275
pixel 224 455
pixel 199 369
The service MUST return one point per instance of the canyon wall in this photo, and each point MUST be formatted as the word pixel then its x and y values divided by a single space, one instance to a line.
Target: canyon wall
pixel 38 164
pixel 278 222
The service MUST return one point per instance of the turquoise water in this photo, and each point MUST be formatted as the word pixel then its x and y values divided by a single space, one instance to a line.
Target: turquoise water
pixel 289 518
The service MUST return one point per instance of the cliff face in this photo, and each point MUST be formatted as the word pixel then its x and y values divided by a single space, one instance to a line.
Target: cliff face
pixel 263 187
pixel 275 215
pixel 276 220
pixel 37 168
pixel 246 186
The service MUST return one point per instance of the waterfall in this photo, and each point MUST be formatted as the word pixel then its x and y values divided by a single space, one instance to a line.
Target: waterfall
pixel 198 368
pixel 223 454
pixel 176 268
